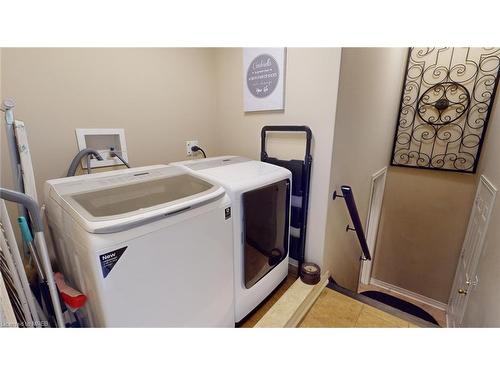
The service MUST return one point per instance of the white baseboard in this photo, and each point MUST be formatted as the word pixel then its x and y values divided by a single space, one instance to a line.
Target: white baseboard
pixel 407 293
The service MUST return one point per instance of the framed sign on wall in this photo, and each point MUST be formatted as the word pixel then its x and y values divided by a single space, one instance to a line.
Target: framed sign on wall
pixel 263 79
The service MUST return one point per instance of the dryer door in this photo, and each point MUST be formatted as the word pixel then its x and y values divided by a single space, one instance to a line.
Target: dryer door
pixel 266 226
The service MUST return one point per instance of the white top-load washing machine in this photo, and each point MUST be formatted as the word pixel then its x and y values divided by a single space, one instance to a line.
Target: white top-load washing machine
pixel 149 246
pixel 260 196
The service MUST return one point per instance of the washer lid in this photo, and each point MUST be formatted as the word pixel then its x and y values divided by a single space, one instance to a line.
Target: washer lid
pixel 110 202
pixel 124 199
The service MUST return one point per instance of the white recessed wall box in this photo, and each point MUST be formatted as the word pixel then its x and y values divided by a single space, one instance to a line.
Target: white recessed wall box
pixel 102 140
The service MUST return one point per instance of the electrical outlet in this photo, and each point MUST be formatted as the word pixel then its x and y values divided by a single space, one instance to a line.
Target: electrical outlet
pixel 190 144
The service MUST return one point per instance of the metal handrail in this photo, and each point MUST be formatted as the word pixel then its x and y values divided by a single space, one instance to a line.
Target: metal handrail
pixel 356 222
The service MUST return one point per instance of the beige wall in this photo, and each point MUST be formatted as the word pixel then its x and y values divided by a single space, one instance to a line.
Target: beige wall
pixel 1 97
pixel 419 241
pixel 425 213
pixel 423 223
pixel 483 309
pixel 369 94
pixel 310 99
pixel 161 97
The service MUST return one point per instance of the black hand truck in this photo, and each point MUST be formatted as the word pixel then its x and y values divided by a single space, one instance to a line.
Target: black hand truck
pixel 301 177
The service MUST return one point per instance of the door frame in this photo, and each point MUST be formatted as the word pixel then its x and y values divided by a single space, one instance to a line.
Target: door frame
pixel 483 181
pixel 372 223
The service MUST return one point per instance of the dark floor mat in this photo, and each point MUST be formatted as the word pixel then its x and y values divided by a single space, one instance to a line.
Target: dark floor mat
pixel 399 304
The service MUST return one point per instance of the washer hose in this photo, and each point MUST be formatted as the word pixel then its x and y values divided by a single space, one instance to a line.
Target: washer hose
pixel 78 157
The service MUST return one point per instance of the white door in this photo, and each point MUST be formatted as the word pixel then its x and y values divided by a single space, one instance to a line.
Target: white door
pixel 465 277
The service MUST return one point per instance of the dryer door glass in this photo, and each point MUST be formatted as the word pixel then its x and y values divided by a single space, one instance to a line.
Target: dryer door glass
pixel 266 229
pixel 125 199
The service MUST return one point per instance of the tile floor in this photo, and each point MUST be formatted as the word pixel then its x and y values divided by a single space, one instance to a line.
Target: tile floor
pixel 335 310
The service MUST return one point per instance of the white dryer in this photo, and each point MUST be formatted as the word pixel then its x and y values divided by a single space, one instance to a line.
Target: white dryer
pixel 149 246
pixel 260 196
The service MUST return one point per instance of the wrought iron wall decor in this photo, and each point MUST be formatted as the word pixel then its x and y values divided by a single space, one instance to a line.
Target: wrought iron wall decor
pixel 445 107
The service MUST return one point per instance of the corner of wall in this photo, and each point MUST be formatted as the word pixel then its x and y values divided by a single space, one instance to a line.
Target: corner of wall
pixel 362 141
pixel 312 76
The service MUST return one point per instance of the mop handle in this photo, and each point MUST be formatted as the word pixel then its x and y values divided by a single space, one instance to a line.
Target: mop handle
pixel 25 230
pixel 38 229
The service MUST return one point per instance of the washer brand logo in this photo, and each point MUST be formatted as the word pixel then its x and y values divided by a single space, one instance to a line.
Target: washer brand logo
pixel 109 260
pixel 227 212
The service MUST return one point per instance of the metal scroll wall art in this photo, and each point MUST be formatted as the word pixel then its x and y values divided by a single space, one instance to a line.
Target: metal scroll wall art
pixel 445 107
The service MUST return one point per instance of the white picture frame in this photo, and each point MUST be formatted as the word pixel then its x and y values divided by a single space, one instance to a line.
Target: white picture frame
pixel 264 72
